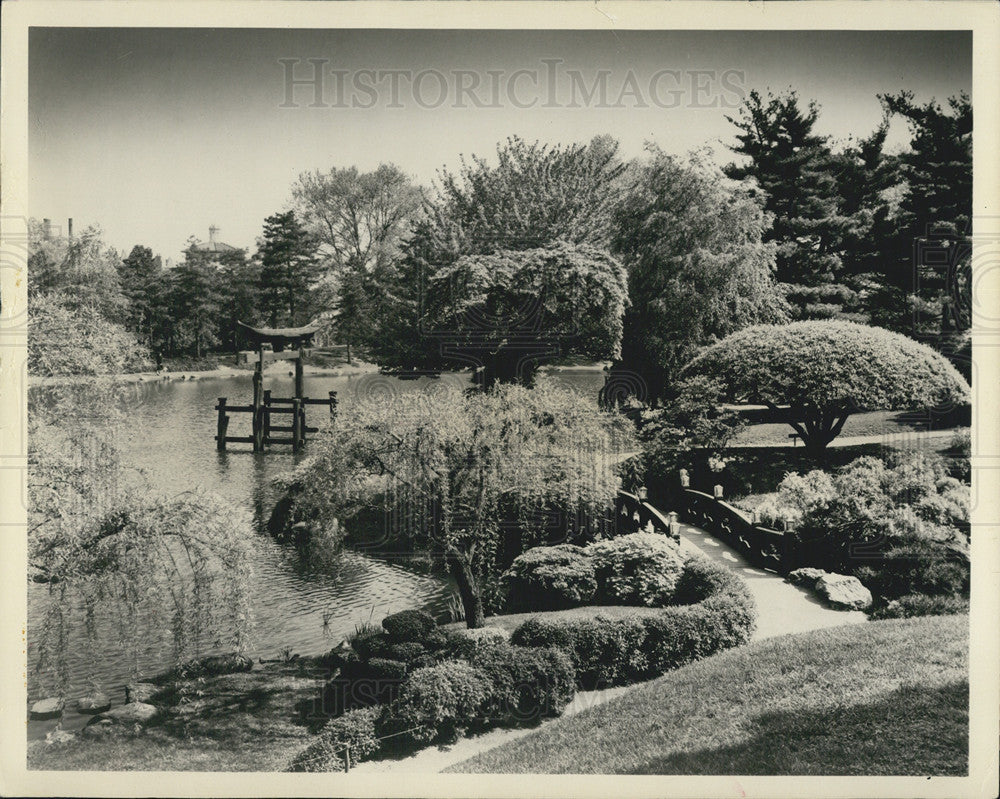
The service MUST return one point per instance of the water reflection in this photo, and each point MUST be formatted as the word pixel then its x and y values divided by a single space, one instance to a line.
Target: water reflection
pixel 169 440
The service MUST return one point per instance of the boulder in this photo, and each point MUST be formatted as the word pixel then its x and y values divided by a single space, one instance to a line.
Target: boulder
pixel 50 708
pixel 95 703
pixel 140 691
pixel 806 577
pixel 844 592
pixel 132 713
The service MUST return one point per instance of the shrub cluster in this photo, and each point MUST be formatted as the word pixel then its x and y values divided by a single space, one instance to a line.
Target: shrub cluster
pixel 620 651
pixel 356 729
pixel 908 516
pixel 498 684
pixel 636 569
pixel 448 680
pixel 378 660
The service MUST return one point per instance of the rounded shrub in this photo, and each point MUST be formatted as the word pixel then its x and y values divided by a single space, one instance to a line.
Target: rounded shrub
pixel 408 626
pixel 549 578
pixel 636 569
pixel 354 729
pixel 435 640
pixel 526 684
pixel 701 579
pixel 436 702
pixel 537 631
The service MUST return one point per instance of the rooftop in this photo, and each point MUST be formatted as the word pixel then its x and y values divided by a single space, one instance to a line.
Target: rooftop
pixel 213 245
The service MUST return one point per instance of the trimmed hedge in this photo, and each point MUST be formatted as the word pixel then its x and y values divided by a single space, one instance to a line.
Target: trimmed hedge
pixel 621 651
pixel 411 652
pixel 549 578
pixel 355 728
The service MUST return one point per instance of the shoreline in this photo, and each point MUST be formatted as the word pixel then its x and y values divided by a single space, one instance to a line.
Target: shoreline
pixel 222 371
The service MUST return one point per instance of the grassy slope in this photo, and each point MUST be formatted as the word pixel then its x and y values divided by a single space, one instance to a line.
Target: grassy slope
pixel 885 698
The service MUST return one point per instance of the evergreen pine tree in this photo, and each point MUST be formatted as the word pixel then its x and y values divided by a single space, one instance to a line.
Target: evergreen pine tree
pixel 795 167
pixel 289 268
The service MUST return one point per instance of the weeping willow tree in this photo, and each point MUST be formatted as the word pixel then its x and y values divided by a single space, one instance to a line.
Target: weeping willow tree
pixel 458 474
pixel 116 569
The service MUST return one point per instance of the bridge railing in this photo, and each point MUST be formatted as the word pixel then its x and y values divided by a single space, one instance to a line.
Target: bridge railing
pixel 633 514
pixel 771 549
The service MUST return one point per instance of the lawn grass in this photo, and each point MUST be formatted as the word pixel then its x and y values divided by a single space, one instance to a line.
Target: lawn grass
pixel 888 424
pixel 884 698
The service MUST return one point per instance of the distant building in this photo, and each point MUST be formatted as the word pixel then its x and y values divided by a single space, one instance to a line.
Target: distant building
pixel 214 245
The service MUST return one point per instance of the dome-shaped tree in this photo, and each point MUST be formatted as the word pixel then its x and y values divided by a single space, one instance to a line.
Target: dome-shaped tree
pixel 825 371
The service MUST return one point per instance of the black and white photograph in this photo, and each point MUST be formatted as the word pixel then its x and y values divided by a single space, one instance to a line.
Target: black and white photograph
pixel 494 399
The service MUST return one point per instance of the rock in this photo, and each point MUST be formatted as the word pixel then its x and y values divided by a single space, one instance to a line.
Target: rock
pixel 95 703
pixel 213 666
pixel 140 691
pixel 50 708
pixel 132 713
pixel 807 576
pixel 844 592
pixel 98 728
pixel 59 737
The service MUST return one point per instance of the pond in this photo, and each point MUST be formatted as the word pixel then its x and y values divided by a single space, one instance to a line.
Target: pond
pixel 170 439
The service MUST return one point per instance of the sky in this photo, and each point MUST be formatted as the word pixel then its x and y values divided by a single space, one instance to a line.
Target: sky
pixel 155 134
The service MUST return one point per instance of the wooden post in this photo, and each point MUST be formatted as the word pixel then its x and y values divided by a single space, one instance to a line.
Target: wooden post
pixel 220 438
pixel 258 380
pixel 267 418
pixel 296 424
pixel 298 376
pixel 333 406
pixel 347 758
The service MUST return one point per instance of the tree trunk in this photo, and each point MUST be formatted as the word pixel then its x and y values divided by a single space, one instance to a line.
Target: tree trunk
pixel 348 350
pixel 472 602
pixel 820 433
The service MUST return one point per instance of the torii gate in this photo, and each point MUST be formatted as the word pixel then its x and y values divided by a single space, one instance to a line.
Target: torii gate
pixel 270 345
